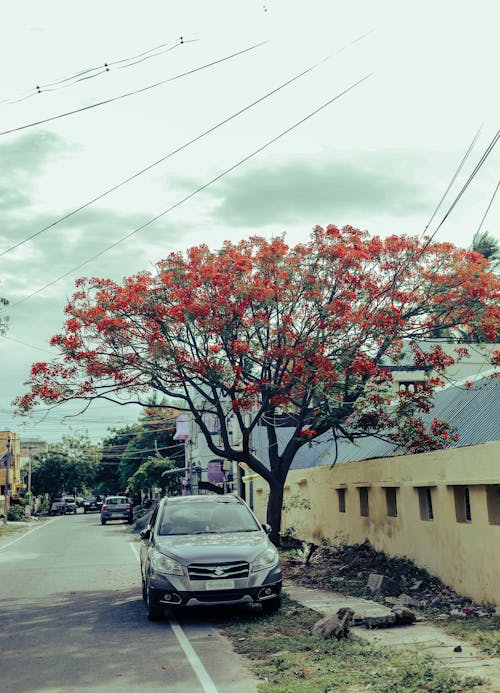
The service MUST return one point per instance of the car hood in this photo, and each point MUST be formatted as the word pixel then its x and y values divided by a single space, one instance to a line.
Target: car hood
pixel 231 546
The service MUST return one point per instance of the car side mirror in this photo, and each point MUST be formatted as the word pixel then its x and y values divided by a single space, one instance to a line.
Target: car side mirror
pixel 266 528
pixel 146 533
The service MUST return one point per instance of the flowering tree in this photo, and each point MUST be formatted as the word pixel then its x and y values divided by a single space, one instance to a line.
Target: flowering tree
pixel 258 329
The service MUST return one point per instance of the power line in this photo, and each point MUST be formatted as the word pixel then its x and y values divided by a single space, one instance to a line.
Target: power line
pixel 195 192
pixel 161 160
pixel 92 72
pixel 453 179
pixel 471 177
pixel 180 148
pixel 133 93
pixel 487 209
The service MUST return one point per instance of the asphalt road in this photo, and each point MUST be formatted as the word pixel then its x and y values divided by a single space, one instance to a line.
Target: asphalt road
pixel 72 620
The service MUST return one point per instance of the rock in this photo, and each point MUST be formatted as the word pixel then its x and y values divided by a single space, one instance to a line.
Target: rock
pixel 379 618
pixel 456 612
pixel 458 648
pixel 406 600
pixel 381 584
pixel 336 626
pixel 403 616
pixel 416 585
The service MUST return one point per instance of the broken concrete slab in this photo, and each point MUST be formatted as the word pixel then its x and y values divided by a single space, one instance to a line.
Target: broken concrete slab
pixel 381 584
pixel 336 626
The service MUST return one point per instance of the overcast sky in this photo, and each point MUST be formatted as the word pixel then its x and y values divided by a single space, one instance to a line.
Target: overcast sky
pixel 379 157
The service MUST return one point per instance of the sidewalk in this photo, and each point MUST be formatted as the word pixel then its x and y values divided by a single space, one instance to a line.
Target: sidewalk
pixel 425 636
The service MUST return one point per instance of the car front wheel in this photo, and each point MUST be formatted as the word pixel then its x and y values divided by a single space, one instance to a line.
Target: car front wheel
pixel 270 606
pixel 154 612
pixel 103 522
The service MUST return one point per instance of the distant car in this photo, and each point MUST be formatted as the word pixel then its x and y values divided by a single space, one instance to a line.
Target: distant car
pixel 63 505
pixel 92 503
pixel 117 508
pixel 207 551
pixel 79 501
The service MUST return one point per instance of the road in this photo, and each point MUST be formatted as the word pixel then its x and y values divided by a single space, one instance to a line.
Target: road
pixel 72 620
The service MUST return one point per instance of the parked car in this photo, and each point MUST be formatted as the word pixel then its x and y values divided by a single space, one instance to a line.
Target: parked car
pixel 117 508
pixel 206 551
pixel 63 505
pixel 92 503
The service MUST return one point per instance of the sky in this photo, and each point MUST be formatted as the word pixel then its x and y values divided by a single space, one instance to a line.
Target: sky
pixel 414 81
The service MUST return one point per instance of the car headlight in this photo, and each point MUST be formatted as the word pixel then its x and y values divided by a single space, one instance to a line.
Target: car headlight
pixel 163 564
pixel 267 559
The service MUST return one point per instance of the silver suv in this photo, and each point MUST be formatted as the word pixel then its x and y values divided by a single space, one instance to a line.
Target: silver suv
pixel 205 551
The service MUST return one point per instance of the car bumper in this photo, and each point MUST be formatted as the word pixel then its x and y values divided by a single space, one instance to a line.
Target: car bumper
pixel 116 516
pixel 255 590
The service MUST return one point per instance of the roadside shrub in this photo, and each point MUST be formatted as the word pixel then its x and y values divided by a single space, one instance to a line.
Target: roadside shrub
pixel 16 513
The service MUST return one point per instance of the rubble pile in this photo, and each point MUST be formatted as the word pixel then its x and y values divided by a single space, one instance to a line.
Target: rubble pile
pixel 363 572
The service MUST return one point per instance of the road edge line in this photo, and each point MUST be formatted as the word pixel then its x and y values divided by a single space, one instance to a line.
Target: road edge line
pixel 30 531
pixel 201 673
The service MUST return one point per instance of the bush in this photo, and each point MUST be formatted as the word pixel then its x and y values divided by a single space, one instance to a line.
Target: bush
pixel 16 513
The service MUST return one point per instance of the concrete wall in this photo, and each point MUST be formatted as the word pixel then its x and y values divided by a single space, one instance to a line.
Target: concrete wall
pixel 459 542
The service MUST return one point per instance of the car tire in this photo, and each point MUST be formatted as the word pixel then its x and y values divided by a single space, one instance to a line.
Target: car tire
pixel 270 606
pixel 84 511
pixel 153 611
pixel 130 521
pixel 103 522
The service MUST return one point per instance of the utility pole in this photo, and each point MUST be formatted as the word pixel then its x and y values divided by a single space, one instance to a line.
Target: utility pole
pixel 6 490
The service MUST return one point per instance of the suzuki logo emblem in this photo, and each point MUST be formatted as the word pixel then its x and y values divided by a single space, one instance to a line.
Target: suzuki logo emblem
pixel 219 571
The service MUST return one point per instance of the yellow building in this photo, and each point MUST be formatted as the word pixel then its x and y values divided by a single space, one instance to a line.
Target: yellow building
pixel 10 458
pixel 441 509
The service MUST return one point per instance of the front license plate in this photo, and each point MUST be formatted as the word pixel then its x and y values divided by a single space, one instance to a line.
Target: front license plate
pixel 220 585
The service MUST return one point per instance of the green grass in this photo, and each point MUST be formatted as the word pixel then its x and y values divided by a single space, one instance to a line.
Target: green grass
pixel 482 632
pixel 288 659
pixel 8 529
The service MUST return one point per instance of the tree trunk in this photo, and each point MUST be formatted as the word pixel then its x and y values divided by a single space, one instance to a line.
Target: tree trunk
pixel 274 507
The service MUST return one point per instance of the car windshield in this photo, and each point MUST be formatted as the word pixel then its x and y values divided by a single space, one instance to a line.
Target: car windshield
pixel 205 518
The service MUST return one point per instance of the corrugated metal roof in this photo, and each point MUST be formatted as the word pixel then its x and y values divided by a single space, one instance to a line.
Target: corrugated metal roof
pixel 473 412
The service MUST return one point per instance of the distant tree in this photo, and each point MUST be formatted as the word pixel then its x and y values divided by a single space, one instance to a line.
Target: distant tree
pixel 149 475
pixel 67 467
pixel 489 247
pixel 113 446
pixel 256 329
pixel 154 436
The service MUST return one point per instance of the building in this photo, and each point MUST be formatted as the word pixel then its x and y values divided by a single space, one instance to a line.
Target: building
pixel 10 468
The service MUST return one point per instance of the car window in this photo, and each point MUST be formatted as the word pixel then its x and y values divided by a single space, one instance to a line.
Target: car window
pixel 116 501
pixel 201 518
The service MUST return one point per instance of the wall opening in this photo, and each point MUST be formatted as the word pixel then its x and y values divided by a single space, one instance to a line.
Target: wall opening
pixel 425 503
pixel 363 501
pixel 462 503
pixel 391 501
pixel 341 497
pixel 493 503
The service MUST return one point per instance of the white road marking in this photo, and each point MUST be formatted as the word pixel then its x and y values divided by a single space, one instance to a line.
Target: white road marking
pixel 35 529
pixel 201 673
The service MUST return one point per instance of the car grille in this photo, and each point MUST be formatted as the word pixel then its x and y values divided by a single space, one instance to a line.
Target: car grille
pixel 218 571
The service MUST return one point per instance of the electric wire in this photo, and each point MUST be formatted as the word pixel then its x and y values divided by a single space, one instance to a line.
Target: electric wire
pixel 179 149
pixel 487 209
pixel 159 161
pixel 91 72
pixel 471 177
pixel 453 179
pixel 195 192
pixel 132 93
